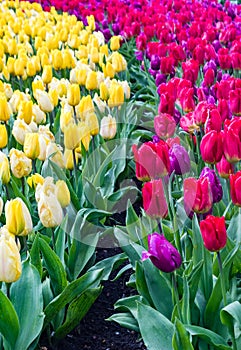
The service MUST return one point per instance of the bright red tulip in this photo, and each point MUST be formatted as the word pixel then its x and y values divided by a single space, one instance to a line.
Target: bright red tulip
pixel 224 168
pixel 214 233
pixel 212 147
pixel 235 188
pixel 235 101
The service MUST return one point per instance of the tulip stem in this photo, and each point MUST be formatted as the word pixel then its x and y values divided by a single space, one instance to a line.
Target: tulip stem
pixel 75 117
pixel 8 285
pixel 7 192
pixel 159 226
pixel 34 166
pixel 23 185
pixel 75 170
pixel 51 120
pixel 228 189
pixel 176 295
pixel 177 234
pixel 222 278
pixel 53 239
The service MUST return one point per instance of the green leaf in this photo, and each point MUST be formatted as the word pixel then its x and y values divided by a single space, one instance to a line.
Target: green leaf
pixel 181 338
pixel 209 336
pixel 159 289
pixel 54 266
pixel 141 284
pixel 89 280
pixel 35 255
pixel 231 317
pixel 129 304
pixel 9 323
pixel 61 232
pixel 77 310
pixel 27 299
pixel 156 330
pixel 109 264
pixel 125 320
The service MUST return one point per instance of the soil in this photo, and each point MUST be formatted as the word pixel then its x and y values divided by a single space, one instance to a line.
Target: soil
pixel 94 333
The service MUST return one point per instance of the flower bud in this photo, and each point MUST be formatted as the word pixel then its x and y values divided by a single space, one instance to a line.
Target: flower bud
pixel 108 127
pixel 47 74
pixel 162 253
pixel 214 233
pixel 18 218
pixel 164 125
pixel 72 136
pixel 179 160
pixel 154 199
pixel 5 110
pixel 197 195
pixel 34 180
pixel 44 101
pixel 10 267
pixel 92 122
pixel 115 43
pixel 3 136
pixel 91 81
pixel 73 95
pixel 212 147
pixel 224 168
pixel 25 111
pixel 49 210
pixel 4 169
pixel 21 165
pixel 116 96
pixel 63 194
pixel 235 188
pixel 216 187
pixel 31 145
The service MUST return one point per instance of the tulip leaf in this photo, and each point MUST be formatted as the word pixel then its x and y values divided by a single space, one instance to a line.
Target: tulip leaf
pixel 19 194
pixel 54 266
pixel 141 284
pixel 27 299
pixel 109 264
pixel 35 255
pixel 231 317
pixel 77 310
pixel 9 322
pixel 125 320
pixel 129 304
pixel 157 331
pixel 61 232
pixel 89 280
pixel 159 288
pixel 209 336
pixel 133 223
pixel 181 338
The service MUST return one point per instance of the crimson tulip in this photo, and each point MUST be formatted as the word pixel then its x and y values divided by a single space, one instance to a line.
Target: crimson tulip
pixel 235 101
pixel 212 147
pixel 235 188
pixel 224 168
pixel 214 233
pixel 164 125
pixel 162 253
pixel 154 199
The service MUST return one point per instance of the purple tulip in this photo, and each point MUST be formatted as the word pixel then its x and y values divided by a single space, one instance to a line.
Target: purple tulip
pixel 216 186
pixel 107 34
pixel 162 253
pixel 211 100
pixel 155 62
pixel 177 115
pixel 116 28
pixel 160 78
pixel 210 64
pixel 139 55
pixel 179 159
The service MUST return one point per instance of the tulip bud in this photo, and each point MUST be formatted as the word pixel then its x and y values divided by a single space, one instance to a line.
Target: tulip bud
pixel 10 267
pixel 57 59
pixel 162 253
pixel 44 101
pixel 25 111
pixel 19 67
pixel 224 168
pixel 115 43
pixel 118 62
pixel 49 210
pixel 30 69
pixel 212 147
pixel 152 160
pixel 54 97
pixel 34 180
pixel 81 76
pixel 164 125
pixel 216 187
pixel 4 169
pixel 5 110
pixel 3 136
pixel 214 233
pixel 109 70
pixel 91 81
pixel 18 218
pixel 197 195
pixel 72 136
pixel 235 188
pixel 116 96
pixel 154 199
pixel 37 85
pixel 92 122
pixel 104 93
pixel 47 74
pixel 31 145
pixel 73 94
pixel 179 160
pixel 63 194
pixel 21 165
pixel 108 127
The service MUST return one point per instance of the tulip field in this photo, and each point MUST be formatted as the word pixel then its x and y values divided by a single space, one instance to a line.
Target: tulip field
pixel 120 126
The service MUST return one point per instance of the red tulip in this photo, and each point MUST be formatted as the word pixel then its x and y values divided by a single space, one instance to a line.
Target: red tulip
pixel 214 233
pixel 152 160
pixel 224 168
pixel 190 70
pixel 223 109
pixel 187 99
pixel 167 103
pixel 209 77
pixel 235 188
pixel 231 140
pixel 212 147
pixel 164 125
pixel 236 60
pixel 197 195
pixel 154 199
pixel 235 101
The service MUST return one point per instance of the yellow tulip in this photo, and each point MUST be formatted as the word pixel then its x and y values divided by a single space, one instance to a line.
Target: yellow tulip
pixel 47 74
pixel 72 136
pixel 54 97
pixel 115 43
pixel 31 145
pixel 10 267
pixel 85 106
pixel 116 96
pixel 68 60
pixel 104 93
pixel 85 135
pixel 91 81
pixel 68 159
pixel 37 85
pixel 63 194
pixel 34 180
pixel 94 55
pixel 57 59
pixel 73 94
pixel 50 211
pixel 5 110
pixel 54 153
pixel 10 65
pixel 3 136
pixel 25 111
pixel 104 50
pixel 92 122
pixel 4 169
pixel 19 67
pixel 44 101
pixel 18 218
pixel 20 164
pixel 30 69
pixel 118 62
pixel 81 76
pixel 109 70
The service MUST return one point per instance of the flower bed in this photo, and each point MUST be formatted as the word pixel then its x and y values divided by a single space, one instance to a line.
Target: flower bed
pixel 131 134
